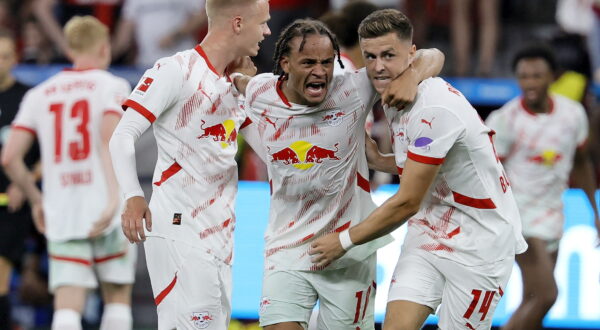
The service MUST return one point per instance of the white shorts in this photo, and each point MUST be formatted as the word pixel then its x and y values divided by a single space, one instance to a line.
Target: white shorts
pixel 468 295
pixel 547 227
pixel 346 296
pixel 192 289
pixel 76 262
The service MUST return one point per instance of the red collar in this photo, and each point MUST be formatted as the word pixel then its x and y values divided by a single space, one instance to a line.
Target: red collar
pixel 200 51
pixel 280 92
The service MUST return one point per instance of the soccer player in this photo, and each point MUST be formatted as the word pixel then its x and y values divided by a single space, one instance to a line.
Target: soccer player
pixel 312 125
pixel 463 223
pixel 73 115
pixel 15 220
pixel 541 139
pixel 190 101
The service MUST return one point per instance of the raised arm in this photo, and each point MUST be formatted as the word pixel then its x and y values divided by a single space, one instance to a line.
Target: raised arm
pixel 403 89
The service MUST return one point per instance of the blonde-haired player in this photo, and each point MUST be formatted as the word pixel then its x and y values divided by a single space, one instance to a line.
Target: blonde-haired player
pixel 73 115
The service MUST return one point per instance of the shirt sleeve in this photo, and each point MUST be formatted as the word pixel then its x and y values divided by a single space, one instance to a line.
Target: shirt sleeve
pixel 582 126
pixel 503 137
pixel 431 133
pixel 26 118
pixel 115 96
pixel 158 89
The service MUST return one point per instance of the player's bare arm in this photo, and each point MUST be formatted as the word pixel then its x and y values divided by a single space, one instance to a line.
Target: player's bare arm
pixel 13 155
pixel 403 89
pixel 416 179
pixel 584 178
pixel 242 70
pixel 107 127
pixel 377 160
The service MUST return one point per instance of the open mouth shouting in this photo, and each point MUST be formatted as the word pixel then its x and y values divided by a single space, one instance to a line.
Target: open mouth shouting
pixel 316 90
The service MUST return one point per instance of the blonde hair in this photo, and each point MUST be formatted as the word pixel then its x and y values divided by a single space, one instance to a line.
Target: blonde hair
pixel 215 7
pixel 84 33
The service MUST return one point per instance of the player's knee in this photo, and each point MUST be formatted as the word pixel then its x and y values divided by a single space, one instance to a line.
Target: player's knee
pixel 548 297
pixel 117 293
pixel 116 317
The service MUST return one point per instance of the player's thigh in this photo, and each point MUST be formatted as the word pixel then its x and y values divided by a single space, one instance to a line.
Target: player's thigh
pixel 347 295
pixel 114 258
pixel 537 269
pixel 405 315
pixel 192 290
pixel 71 264
pixel 471 294
pixel 287 296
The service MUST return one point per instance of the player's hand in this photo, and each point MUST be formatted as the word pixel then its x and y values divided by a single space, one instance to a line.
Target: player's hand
pixel 371 149
pixel 326 249
pixel 243 65
pixel 101 224
pixel 132 219
pixel 16 198
pixel 402 90
pixel 37 212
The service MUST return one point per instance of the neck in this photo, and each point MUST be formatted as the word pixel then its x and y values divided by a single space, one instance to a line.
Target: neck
pixel 86 63
pixel 219 49
pixel 542 106
pixel 6 82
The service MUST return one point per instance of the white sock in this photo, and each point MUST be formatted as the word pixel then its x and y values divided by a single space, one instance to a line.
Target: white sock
pixel 116 317
pixel 66 319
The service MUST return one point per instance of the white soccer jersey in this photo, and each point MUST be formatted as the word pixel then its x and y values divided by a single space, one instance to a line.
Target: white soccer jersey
pixel 537 151
pixel 65 112
pixel 196 120
pixel 317 167
pixel 469 214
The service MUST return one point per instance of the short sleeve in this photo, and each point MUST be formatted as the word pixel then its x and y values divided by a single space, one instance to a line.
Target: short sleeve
pixel 431 133
pixel 26 118
pixel 582 126
pixel 157 90
pixel 503 137
pixel 116 94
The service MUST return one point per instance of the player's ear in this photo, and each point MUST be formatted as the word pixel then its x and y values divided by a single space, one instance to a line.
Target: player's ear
pixel 411 53
pixel 284 62
pixel 236 24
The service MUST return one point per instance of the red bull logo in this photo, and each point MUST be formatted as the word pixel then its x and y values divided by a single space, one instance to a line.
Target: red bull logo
pixel 304 155
pixel 224 132
pixel 334 117
pixel 546 158
pixel 201 320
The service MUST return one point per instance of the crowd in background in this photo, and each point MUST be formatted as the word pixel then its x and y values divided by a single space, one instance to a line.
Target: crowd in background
pixel 477 37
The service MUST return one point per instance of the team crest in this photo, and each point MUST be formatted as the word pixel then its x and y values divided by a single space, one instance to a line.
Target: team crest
pixel 264 303
pixel 333 117
pixel 201 320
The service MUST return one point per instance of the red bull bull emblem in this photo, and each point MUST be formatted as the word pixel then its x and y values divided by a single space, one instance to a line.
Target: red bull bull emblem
pixel 546 158
pixel 334 117
pixel 201 320
pixel 224 132
pixel 303 155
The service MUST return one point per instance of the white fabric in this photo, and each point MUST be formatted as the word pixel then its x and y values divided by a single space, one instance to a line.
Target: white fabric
pixel 196 120
pixel 122 147
pixel 316 161
pixel 468 215
pixel 66 113
pixel 192 289
pixel 537 152
pixel 66 319
pixel 116 317
pixel 155 19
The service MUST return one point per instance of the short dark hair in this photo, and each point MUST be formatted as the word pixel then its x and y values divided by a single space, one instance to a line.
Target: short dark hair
pixel 542 51
pixel 384 21
pixel 301 28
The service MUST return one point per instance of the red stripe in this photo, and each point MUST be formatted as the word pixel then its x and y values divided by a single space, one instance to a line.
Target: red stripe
pixel 500 291
pixel 203 54
pixel 246 123
pixel 425 159
pixel 139 108
pixel 307 237
pixel 280 93
pixel 454 232
pixel 110 257
pixel 69 259
pixel 113 112
pixel 169 172
pixel 469 326
pixel 163 294
pixel 362 182
pixel 343 227
pixel 400 169
pixel 478 203
pixel 25 128
pixel 271 187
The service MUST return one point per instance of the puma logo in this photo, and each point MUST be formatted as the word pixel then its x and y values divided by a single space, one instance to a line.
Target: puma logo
pixel 427 122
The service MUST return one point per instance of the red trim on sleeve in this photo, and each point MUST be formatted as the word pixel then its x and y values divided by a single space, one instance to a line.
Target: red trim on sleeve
pixel 169 172
pixel 246 123
pixel 113 112
pixel 200 51
pixel 163 294
pixel 478 203
pixel 280 93
pixel 425 159
pixel 343 227
pixel 110 257
pixel 400 170
pixel 362 182
pixel 139 108
pixel 25 128
pixel 70 259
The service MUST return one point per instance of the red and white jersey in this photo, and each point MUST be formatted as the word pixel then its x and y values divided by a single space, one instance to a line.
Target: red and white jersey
pixel 196 119
pixel 537 151
pixel 469 214
pixel 65 112
pixel 317 167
